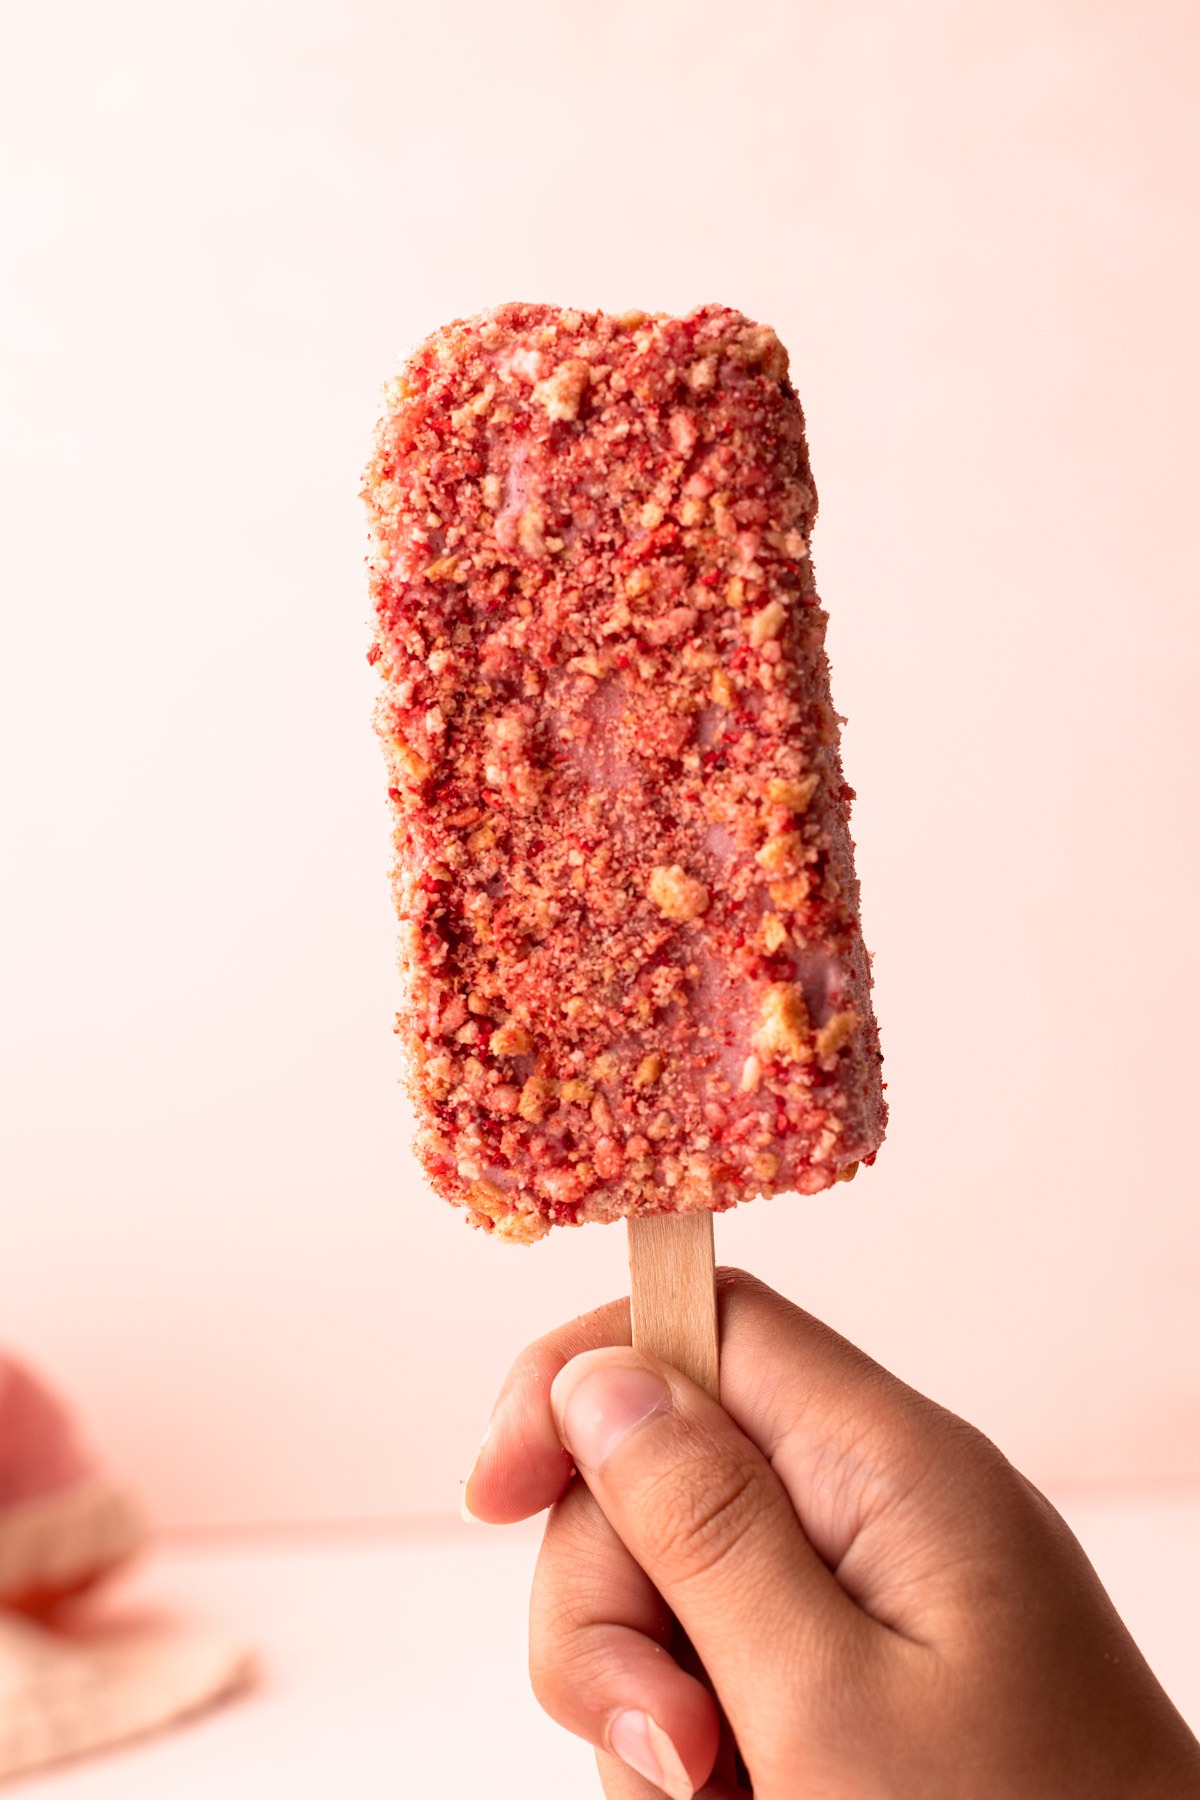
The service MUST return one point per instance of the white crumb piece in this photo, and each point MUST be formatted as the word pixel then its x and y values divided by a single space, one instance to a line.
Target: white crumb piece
pixel 562 392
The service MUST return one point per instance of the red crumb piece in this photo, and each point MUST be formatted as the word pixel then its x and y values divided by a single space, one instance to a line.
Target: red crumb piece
pixel 635 979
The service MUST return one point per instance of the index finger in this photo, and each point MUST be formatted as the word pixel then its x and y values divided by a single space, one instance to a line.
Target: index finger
pixel 522 1467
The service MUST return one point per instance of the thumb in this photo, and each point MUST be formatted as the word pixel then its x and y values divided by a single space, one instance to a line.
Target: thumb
pixel 698 1506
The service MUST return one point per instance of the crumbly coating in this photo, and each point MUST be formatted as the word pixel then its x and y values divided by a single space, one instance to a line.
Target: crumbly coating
pixel 634 976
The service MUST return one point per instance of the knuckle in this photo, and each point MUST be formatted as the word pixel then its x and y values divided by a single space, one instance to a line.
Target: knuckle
pixel 702 1514
pixel 525 1372
pixel 911 1444
pixel 547 1678
pixel 736 1288
pixel 564 1667
pixel 943 1448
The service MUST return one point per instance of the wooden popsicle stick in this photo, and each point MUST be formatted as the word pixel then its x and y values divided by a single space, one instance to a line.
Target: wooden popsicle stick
pixel 673 1293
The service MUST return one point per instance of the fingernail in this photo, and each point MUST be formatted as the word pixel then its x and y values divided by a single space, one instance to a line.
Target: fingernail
pixel 645 1746
pixel 595 1409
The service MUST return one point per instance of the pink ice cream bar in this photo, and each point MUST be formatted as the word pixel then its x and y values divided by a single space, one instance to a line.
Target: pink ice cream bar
pixel 635 980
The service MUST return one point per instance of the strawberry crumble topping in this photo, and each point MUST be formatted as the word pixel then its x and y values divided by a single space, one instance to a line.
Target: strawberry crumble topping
pixel 635 978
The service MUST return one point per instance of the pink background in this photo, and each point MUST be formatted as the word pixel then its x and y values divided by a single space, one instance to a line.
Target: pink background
pixel 975 229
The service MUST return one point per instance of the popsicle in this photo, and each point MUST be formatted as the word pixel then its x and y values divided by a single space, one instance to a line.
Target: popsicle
pixel 635 979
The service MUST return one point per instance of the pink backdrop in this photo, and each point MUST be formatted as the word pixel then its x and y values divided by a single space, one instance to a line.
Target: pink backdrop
pixel 974 227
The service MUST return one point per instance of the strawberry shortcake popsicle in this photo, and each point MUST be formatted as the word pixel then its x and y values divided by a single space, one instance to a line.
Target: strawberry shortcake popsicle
pixel 635 979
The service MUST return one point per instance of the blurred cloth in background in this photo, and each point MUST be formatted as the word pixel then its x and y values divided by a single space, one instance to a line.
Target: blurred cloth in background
pixel 67 1686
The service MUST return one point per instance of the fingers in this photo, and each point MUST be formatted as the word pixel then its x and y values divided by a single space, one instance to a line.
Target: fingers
pixel 522 1467
pixel 845 1436
pixel 699 1508
pixel 864 1459
pixel 620 1783
pixel 599 1660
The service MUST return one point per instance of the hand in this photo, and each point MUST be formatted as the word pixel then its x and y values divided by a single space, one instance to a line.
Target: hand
pixel 884 1608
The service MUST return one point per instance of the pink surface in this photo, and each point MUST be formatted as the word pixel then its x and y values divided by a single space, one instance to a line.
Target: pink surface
pixel 974 229
pixel 394 1663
